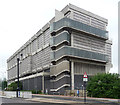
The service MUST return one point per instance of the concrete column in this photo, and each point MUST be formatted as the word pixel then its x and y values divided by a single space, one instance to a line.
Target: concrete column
pixel 43 82
pixel 107 67
pixel 72 75
pixel 28 84
pixel 72 65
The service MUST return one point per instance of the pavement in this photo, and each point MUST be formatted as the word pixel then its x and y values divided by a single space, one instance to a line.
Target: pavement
pixel 70 100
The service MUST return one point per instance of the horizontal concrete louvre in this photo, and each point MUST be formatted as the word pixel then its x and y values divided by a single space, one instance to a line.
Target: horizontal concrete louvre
pixel 75 25
pixel 62 37
pixel 59 68
pixel 41 58
pixel 88 13
pixel 46 56
pixel 79 53
pixel 108 50
pixel 59 83
pixel 34 63
pixel 86 42
pixel 86 19
pixel 60 77
pixel 81 68
pixel 40 41
pixel 81 18
pixel 34 45
pixel 12 62
pixel 12 73
pixel 62 87
pixel 47 36
pixel 25 66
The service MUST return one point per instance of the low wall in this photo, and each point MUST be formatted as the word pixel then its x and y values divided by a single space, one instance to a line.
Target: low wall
pixel 10 94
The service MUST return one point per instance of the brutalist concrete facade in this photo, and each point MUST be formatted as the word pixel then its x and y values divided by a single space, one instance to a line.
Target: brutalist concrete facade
pixel 55 58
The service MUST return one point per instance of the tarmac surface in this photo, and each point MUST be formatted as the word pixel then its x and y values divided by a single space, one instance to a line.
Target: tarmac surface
pixel 73 99
pixel 38 99
pixel 21 101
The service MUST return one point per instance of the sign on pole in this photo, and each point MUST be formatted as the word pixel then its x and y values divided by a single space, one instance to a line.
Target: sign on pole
pixel 85 77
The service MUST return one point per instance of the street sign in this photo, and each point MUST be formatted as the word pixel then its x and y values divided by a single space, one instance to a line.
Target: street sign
pixel 85 77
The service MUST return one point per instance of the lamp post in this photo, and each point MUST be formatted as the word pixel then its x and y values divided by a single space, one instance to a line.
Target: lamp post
pixel 18 61
pixel 17 76
pixel 82 91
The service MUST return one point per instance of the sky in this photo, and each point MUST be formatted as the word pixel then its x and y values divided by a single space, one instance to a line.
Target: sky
pixel 21 19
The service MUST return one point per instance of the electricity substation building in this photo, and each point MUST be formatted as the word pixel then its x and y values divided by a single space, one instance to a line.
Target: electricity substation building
pixel 73 42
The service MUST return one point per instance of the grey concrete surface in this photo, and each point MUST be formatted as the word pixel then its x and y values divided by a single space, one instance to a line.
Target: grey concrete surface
pixel 46 101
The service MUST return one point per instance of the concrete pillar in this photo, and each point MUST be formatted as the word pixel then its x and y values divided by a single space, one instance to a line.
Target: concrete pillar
pixel 107 67
pixel 72 75
pixel 43 82
pixel 28 84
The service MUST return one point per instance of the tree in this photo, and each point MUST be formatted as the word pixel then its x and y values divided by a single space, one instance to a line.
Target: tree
pixel 104 85
pixel 4 84
pixel 13 86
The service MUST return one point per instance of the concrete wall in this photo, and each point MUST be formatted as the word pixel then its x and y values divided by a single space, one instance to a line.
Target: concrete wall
pixel 11 94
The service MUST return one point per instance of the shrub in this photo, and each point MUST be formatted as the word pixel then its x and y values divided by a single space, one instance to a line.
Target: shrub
pixel 13 86
pixel 104 85
pixel 36 92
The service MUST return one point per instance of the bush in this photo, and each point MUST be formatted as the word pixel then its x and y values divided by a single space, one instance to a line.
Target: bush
pixel 104 86
pixel 13 86
pixel 36 92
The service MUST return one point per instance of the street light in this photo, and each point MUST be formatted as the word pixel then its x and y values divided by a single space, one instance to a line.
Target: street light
pixel 82 90
pixel 18 89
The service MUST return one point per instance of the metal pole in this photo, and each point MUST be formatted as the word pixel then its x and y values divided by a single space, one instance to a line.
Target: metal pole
pixel 18 75
pixel 84 92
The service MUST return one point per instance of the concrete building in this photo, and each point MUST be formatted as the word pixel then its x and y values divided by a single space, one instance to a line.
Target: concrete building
pixel 55 58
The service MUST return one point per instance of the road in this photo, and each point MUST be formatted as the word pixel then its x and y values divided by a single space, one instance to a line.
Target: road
pixel 64 99
pixel 20 101
pixel 45 101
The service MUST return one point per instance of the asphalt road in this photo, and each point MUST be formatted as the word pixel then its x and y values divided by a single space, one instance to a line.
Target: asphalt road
pixel 75 100
pixel 21 101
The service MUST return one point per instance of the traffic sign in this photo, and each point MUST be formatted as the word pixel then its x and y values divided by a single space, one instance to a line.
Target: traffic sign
pixel 85 77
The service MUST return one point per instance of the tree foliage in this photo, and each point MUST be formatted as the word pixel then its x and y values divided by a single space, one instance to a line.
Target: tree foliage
pixel 4 84
pixel 13 86
pixel 104 85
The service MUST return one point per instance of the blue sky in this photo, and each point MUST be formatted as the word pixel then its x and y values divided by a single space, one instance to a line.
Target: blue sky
pixel 21 19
